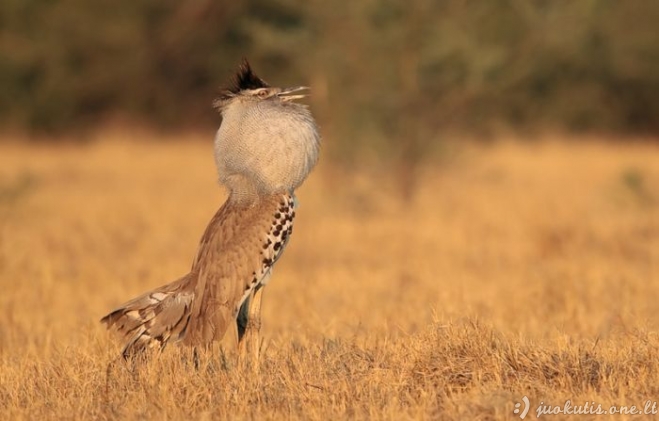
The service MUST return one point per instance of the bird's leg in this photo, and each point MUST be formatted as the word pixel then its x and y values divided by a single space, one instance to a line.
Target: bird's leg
pixel 249 327
pixel 254 325
pixel 195 358
pixel 241 322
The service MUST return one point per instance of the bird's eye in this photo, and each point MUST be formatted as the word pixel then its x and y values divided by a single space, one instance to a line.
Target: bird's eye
pixel 263 94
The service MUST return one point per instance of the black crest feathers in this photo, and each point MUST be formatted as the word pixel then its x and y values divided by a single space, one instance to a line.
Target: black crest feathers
pixel 245 78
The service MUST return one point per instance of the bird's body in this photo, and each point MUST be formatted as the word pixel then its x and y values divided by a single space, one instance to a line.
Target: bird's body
pixel 264 149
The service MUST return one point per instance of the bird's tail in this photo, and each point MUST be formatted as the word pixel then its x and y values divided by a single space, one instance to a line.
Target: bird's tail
pixel 153 319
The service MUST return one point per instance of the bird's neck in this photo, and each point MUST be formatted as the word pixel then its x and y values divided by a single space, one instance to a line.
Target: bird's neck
pixel 242 191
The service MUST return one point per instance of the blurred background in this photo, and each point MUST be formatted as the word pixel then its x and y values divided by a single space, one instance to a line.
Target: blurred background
pixel 389 78
pixel 483 161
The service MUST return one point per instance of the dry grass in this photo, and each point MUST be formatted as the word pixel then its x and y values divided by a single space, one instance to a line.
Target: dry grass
pixel 516 270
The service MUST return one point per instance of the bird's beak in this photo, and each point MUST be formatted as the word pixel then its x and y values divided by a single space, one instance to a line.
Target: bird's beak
pixel 285 94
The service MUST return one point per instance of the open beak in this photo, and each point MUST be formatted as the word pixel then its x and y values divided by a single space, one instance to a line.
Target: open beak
pixel 285 94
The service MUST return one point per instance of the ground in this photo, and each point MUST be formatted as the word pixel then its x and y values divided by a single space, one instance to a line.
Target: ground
pixel 515 269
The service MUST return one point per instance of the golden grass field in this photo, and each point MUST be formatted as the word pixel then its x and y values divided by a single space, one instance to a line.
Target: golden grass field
pixel 516 269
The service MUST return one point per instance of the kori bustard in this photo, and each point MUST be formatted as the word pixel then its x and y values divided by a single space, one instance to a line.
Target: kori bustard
pixel 266 146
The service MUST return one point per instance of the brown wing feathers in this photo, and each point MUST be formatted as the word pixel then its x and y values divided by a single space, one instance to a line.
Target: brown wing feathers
pixel 153 319
pixel 199 307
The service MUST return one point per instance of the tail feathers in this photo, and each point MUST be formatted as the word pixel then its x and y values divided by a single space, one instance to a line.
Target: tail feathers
pixel 153 319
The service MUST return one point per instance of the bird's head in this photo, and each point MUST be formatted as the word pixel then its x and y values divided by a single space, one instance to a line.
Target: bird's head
pixel 248 87
pixel 267 143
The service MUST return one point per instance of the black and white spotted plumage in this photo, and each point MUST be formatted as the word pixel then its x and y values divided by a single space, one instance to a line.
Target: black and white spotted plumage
pixel 274 243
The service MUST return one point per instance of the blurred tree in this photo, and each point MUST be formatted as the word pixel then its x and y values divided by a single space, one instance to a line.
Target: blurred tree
pixel 389 77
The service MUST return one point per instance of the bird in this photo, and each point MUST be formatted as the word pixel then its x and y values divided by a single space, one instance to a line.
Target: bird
pixel 264 149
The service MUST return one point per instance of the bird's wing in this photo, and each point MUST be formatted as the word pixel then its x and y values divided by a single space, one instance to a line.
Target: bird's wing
pixel 236 252
pixel 155 318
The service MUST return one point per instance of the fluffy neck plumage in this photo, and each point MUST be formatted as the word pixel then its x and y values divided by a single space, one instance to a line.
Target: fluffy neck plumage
pixel 264 148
